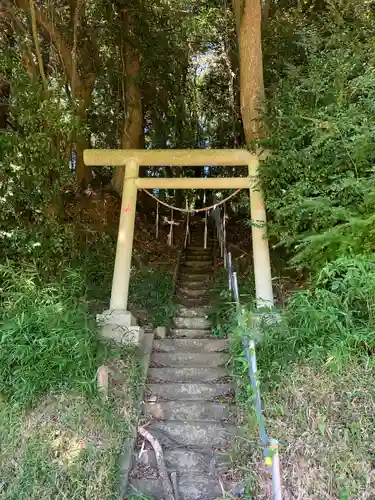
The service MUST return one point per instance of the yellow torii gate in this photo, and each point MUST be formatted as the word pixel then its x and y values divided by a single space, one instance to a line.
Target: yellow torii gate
pixel 132 159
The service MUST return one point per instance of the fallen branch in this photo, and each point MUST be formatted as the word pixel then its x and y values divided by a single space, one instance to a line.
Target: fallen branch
pixel 163 473
pixel 175 485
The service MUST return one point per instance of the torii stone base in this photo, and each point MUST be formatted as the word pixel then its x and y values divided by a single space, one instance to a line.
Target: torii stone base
pixel 120 326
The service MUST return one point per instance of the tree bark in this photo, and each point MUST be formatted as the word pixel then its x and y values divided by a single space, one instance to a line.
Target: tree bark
pixel 132 132
pixel 248 24
pixel 4 104
pixel 36 43
pixel 82 142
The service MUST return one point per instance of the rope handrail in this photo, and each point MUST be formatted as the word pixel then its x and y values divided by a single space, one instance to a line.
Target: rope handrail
pixel 192 210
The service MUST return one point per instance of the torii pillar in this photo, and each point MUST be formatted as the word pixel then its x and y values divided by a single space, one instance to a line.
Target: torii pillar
pixel 118 323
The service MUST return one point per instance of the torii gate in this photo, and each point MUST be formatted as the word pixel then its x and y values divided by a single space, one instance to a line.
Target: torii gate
pixel 132 159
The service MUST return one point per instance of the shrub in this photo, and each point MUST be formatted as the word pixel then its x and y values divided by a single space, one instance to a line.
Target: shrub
pixel 47 337
pixel 152 289
pixel 319 182
pixel 331 322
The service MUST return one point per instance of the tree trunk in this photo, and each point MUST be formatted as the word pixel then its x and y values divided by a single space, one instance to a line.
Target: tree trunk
pixel 84 97
pixel 248 25
pixel 83 172
pixel 4 104
pixel 132 132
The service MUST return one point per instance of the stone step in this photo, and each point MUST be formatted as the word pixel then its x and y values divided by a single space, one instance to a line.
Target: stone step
pixel 195 280
pixel 189 359
pixel 189 410
pixel 193 292
pixel 197 264
pixel 196 323
pixel 185 460
pixel 191 486
pixel 190 334
pixel 190 345
pixel 186 281
pixel 194 312
pixel 202 300
pixel 195 273
pixel 207 259
pixel 198 253
pixel 192 374
pixel 194 284
pixel 172 433
pixel 199 245
pixel 189 302
pixel 188 392
pixel 199 250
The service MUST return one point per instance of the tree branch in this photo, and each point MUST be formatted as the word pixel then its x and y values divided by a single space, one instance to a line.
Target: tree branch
pixel 27 56
pixel 168 490
pixel 60 43
pixel 36 43
pixel 74 51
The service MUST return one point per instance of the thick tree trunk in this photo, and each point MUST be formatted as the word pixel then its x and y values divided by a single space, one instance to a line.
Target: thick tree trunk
pixel 248 25
pixel 132 133
pixel 83 172
pixel 4 104
pixel 84 97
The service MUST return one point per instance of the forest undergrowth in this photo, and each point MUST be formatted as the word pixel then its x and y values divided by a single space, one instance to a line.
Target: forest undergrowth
pixel 316 373
pixel 59 438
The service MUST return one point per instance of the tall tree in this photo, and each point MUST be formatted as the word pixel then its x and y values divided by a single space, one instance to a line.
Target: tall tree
pixel 132 130
pixel 248 15
pixel 78 61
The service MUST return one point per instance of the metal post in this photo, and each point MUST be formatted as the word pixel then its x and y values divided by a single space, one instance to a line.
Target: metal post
pixel 276 479
pixel 230 271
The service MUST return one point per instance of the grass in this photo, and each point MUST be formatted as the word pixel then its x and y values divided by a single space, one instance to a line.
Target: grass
pixel 324 423
pixel 68 445
pixel 48 338
pixel 151 289
pixel 59 439
pixel 316 370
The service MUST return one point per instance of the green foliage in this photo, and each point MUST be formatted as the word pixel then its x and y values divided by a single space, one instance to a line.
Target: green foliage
pixel 222 314
pixel 33 162
pixel 319 183
pixel 48 339
pixel 152 290
pixel 330 323
pixel 315 372
pixel 34 165
pixel 223 311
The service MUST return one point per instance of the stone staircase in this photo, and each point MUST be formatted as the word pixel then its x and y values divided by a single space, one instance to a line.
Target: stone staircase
pixel 188 394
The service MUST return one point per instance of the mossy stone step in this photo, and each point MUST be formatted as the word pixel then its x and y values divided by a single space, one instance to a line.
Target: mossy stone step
pixel 190 333
pixel 185 460
pixel 190 410
pixel 190 345
pixel 189 359
pixel 191 486
pixel 187 374
pixel 189 392
pixel 192 323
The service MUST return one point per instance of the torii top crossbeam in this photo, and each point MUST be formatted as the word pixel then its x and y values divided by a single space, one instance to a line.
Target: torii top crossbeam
pixel 172 157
